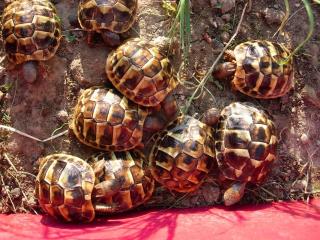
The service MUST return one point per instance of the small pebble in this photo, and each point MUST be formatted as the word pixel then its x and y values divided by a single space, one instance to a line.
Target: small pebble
pixel 226 17
pixel 220 23
pixel 273 16
pixel 15 193
pixel 304 138
pixel 225 37
pixel 62 116
pixel 223 5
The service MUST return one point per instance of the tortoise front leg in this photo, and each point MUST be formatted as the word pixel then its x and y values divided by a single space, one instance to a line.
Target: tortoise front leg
pixel 111 39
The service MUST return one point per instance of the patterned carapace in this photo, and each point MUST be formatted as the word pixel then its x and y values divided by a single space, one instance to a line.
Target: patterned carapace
pixel 64 186
pixel 30 30
pixel 106 120
pixel 122 181
pixel 114 15
pixel 262 70
pixel 141 72
pixel 245 143
pixel 183 155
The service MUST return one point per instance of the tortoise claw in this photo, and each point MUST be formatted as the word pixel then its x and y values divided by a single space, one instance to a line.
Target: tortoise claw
pixel 234 193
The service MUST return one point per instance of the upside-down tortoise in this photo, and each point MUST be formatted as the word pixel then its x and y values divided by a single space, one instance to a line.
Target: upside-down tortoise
pixel 141 72
pixel 183 155
pixel 107 17
pixel 64 186
pixel 106 120
pixel 30 30
pixel 260 68
pixel 122 181
pixel 245 148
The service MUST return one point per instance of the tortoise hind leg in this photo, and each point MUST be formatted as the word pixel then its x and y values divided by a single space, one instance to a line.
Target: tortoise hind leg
pixel 111 39
pixel 234 193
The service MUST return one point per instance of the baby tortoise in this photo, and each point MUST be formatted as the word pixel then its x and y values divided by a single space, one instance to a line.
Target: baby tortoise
pixel 183 155
pixel 107 17
pixel 64 186
pixel 31 31
pixel 122 182
pixel 106 120
pixel 245 148
pixel 141 71
pixel 259 69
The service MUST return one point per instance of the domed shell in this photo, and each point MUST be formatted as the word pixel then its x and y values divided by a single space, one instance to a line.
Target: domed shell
pixel 106 120
pixel 261 71
pixel 141 72
pixel 246 143
pixel 64 186
pixel 182 157
pixel 30 30
pixel 114 15
pixel 122 181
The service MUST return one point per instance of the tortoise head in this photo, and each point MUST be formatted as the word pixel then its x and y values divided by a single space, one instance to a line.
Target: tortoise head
pixel 228 68
pixel 234 193
pixel 167 46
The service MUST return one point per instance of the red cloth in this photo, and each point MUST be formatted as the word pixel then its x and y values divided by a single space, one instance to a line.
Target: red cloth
pixel 287 221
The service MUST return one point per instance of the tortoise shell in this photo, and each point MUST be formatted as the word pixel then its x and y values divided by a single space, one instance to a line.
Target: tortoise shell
pixel 30 30
pixel 64 186
pixel 141 72
pixel 259 72
pixel 122 182
pixel 245 143
pixel 106 120
pixel 183 155
pixel 114 15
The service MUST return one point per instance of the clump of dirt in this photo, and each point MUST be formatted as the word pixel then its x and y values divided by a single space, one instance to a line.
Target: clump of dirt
pixel 43 108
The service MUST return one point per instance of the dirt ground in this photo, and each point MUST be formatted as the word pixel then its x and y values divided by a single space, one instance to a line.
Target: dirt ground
pixel 43 108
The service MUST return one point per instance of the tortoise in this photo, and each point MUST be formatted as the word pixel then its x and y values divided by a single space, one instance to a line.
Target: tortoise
pixel 245 146
pixel 30 30
pixel 64 186
pixel 107 17
pixel 122 181
pixel 141 71
pixel 106 120
pixel 183 155
pixel 260 69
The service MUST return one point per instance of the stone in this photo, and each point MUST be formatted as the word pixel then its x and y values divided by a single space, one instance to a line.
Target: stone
pixel 273 16
pixel 15 193
pixel 62 116
pixel 225 37
pixel 224 5
pixel 226 17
